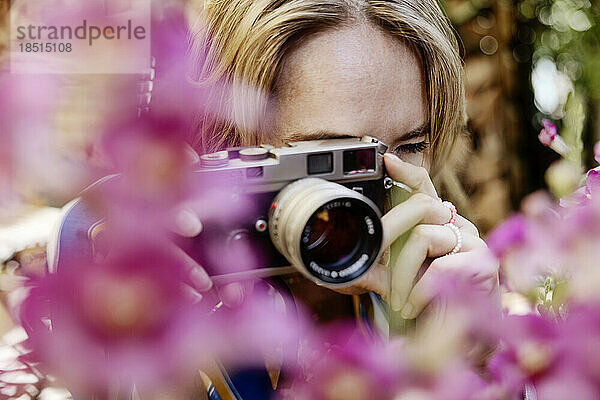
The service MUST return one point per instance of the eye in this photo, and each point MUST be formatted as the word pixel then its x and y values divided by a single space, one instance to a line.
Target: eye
pixel 412 147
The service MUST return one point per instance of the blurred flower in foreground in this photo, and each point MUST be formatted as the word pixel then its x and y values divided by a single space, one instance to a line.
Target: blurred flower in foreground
pixel 557 357
pixel 129 320
pixel 584 194
pixel 151 150
pixel 531 245
pixel 266 326
pixel 511 234
pixel 549 253
pixel 340 363
pixel 155 169
pixel 449 365
pixel 112 323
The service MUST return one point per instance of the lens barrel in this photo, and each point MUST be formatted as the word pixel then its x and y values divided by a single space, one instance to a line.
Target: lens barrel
pixel 331 233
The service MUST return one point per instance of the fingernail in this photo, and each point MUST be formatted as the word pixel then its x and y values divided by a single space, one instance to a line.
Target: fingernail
pixel 188 223
pixel 200 279
pixel 407 311
pixel 191 294
pixel 392 156
pixel 396 302
pixel 233 295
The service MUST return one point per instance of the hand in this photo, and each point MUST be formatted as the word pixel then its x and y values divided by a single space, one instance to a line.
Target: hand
pixel 187 224
pixel 429 240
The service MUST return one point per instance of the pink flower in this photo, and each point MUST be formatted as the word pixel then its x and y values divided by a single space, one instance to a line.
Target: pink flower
pixel 550 242
pixel 510 233
pixel 129 319
pixel 529 354
pixel 583 195
pixel 597 152
pixel 546 354
pixel 341 363
pixel 124 320
pixel 549 138
pixel 548 133
pixel 592 182
pixel 155 167
pixel 267 325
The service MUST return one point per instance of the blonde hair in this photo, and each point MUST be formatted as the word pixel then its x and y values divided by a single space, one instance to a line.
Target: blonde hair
pixel 244 43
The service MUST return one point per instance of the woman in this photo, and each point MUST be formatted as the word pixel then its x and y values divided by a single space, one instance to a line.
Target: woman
pixel 337 68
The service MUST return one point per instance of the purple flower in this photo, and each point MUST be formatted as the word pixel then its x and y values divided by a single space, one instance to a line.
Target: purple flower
pixel 592 182
pixel 510 233
pixel 129 319
pixel 545 241
pixel 267 325
pixel 458 382
pixel 582 196
pixel 154 164
pixel 597 152
pixel 341 363
pixel 124 320
pixel 529 355
pixel 548 353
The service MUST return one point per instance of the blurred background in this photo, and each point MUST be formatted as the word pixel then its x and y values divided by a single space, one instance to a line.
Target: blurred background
pixel 526 61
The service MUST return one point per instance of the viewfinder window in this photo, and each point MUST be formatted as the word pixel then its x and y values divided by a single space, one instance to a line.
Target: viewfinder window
pixel 321 163
pixel 359 161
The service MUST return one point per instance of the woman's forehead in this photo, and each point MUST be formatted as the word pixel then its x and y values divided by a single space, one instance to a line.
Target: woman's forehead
pixel 353 80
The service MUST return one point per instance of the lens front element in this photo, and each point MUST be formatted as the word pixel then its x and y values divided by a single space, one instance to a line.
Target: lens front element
pixel 333 234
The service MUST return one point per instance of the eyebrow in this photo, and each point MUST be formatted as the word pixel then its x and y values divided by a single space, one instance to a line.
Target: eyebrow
pixel 420 131
pixel 317 135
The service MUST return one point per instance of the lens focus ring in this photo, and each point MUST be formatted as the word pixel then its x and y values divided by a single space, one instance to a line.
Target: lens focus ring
pixel 331 233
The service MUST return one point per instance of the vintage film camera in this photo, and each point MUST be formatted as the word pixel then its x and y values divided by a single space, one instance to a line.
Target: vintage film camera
pixel 315 205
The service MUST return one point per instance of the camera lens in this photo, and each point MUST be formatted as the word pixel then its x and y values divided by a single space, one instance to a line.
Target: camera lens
pixel 330 236
pixel 331 233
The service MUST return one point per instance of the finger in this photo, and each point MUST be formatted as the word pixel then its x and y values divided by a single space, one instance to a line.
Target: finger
pixel 233 294
pixel 478 266
pixel 418 179
pixel 191 294
pixel 376 279
pixel 419 208
pixel 415 177
pixel 186 223
pixel 466 226
pixel 425 241
pixel 196 275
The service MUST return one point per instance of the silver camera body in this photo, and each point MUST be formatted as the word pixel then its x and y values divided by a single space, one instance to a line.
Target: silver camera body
pixel 313 204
